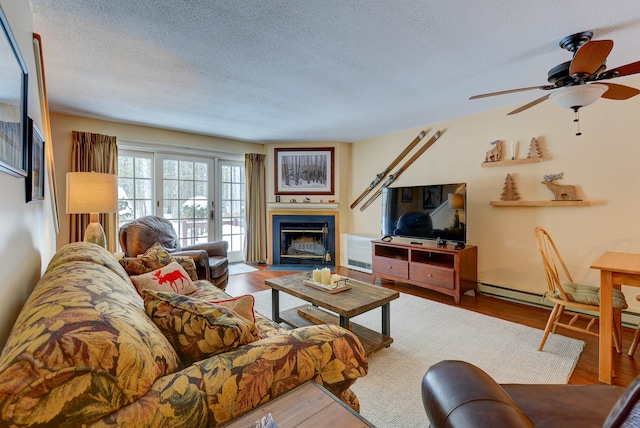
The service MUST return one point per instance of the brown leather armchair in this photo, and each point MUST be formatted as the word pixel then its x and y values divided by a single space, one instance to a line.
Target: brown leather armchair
pixel 139 235
pixel 459 394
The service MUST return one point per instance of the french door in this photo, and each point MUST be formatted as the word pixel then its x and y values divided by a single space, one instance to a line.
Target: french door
pixel 203 197
pixel 232 207
pixel 185 196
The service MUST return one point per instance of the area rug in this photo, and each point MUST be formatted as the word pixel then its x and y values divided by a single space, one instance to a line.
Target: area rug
pixel 238 268
pixel 426 332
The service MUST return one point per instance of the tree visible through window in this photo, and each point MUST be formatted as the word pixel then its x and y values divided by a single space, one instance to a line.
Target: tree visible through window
pixel 202 196
pixel 233 205
pixel 135 185
pixel 185 198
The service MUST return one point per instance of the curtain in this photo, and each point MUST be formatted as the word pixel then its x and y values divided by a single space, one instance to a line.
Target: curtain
pixel 256 231
pixel 94 153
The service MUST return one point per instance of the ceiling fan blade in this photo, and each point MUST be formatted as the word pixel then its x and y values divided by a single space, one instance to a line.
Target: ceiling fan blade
pixel 590 57
pixel 531 104
pixel 510 91
pixel 619 92
pixel 625 70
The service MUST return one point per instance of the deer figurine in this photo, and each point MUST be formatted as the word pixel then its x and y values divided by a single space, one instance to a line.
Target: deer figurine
pixel 560 192
pixel 172 278
pixel 495 154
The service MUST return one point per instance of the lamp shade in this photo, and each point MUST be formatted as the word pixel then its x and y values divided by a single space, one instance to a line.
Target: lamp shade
pixel 91 192
pixel 577 96
pixel 456 201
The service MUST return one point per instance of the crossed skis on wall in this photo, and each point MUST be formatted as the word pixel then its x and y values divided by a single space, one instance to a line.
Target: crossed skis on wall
pixel 393 177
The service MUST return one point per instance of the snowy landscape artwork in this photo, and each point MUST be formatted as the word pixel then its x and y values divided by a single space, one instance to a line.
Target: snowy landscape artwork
pixel 304 171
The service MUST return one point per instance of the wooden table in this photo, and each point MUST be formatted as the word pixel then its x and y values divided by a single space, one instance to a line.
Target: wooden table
pixel 346 304
pixel 307 406
pixel 615 269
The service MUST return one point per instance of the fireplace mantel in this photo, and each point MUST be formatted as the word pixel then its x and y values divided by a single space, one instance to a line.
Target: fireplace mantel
pixel 306 206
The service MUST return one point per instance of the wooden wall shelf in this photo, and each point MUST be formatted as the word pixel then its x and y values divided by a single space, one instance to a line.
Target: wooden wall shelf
pixel 511 162
pixel 541 203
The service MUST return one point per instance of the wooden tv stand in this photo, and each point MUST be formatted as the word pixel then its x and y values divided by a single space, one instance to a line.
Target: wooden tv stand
pixel 442 269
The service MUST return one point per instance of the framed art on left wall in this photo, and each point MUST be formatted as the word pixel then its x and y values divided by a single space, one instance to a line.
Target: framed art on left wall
pixel 36 167
pixel 13 103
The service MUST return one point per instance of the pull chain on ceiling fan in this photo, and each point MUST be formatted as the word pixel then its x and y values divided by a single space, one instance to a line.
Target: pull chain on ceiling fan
pixel 579 82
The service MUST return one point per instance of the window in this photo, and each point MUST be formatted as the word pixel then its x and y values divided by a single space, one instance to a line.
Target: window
pixel 135 185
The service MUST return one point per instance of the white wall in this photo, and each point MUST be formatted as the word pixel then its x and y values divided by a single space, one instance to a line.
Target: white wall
pixel 27 238
pixel 603 163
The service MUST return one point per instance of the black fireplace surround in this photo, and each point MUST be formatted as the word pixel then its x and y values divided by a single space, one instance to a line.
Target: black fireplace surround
pixel 304 240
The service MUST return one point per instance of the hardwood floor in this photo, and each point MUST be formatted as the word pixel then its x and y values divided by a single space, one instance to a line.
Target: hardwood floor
pixel 586 372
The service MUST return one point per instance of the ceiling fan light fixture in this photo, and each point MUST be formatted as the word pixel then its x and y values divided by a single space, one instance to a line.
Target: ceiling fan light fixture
pixel 577 96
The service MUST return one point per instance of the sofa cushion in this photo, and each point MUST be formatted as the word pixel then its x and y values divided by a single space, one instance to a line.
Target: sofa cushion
pixel 156 254
pixel 171 278
pixel 83 346
pixel 198 329
pixel 80 252
pixel 189 265
pixel 157 257
pixel 207 291
pixel 245 377
pixel 241 305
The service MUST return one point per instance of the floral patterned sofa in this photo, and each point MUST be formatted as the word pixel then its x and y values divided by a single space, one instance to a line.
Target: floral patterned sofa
pixel 84 352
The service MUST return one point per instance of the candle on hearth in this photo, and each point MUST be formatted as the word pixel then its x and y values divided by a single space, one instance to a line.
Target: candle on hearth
pixel 317 275
pixel 326 276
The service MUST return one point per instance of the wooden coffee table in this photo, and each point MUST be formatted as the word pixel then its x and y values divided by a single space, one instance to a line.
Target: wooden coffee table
pixel 307 406
pixel 344 305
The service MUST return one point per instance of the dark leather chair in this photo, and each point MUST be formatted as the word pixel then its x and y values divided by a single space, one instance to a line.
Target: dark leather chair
pixel 459 394
pixel 139 235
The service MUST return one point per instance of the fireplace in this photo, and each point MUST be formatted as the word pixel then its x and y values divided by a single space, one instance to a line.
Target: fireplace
pixel 303 240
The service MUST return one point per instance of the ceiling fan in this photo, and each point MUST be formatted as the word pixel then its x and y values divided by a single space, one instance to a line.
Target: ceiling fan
pixel 580 82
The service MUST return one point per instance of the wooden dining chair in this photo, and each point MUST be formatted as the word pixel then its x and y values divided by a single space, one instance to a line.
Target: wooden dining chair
pixel 636 338
pixel 564 293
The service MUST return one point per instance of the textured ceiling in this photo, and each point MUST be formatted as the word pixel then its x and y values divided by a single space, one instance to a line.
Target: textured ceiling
pixel 310 70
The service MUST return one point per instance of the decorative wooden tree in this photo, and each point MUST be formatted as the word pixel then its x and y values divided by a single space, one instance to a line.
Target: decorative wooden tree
pixel 534 149
pixel 509 191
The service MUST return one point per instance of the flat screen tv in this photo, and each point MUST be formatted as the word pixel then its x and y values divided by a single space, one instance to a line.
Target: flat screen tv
pixel 426 212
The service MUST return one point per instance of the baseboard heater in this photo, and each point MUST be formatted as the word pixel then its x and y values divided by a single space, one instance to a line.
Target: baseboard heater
pixel 359 252
pixel 629 318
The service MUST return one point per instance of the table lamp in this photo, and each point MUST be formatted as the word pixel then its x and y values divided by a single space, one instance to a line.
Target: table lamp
pixel 456 202
pixel 93 193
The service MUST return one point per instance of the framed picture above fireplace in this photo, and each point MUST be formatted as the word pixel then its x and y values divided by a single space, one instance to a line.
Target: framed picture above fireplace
pixel 305 171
